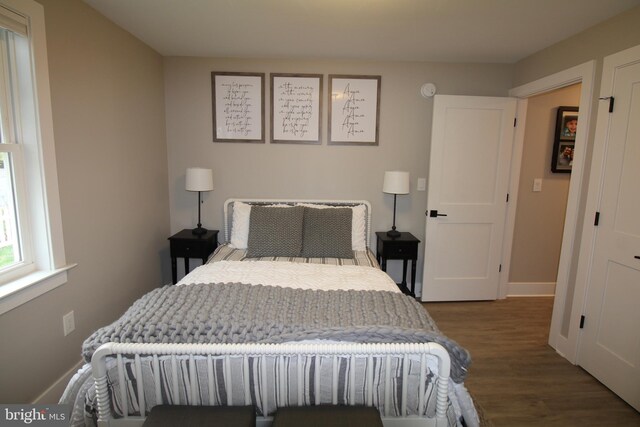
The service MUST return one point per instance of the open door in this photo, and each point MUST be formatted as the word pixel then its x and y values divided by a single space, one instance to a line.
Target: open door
pixel 470 159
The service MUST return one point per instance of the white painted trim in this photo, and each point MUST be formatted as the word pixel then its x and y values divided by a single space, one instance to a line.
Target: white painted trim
pixel 20 291
pixel 562 343
pixel 531 289
pixel 514 182
pixel 42 101
pixel 587 244
pixel 585 74
pixel 54 392
pixel 555 81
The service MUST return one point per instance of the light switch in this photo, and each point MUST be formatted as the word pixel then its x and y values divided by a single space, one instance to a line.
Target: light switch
pixel 422 184
pixel 537 184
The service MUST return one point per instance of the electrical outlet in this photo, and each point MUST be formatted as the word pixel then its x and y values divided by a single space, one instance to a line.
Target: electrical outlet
pixel 68 323
pixel 422 184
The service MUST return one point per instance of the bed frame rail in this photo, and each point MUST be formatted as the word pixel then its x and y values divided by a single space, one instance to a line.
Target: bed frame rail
pixel 382 352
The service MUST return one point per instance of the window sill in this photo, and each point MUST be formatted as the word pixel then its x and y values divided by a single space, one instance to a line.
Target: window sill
pixel 26 288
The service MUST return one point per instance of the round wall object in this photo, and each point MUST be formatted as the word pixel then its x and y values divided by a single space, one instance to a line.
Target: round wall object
pixel 428 90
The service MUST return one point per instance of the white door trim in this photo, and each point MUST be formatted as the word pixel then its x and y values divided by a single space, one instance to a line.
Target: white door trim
pixel 585 74
pixel 514 180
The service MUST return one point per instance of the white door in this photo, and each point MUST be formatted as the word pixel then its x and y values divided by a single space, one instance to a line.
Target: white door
pixel 610 342
pixel 471 144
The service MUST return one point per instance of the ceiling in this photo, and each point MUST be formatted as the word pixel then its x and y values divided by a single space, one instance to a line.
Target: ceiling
pixel 502 31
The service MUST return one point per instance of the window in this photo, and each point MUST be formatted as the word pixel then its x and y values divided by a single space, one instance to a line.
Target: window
pixel 12 220
pixel 32 257
pixel 10 246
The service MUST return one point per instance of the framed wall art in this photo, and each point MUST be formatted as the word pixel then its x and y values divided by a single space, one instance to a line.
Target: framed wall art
pixel 296 108
pixel 354 109
pixel 238 106
pixel 564 139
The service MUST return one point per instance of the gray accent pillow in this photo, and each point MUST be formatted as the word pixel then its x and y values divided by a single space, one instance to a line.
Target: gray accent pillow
pixel 275 231
pixel 327 233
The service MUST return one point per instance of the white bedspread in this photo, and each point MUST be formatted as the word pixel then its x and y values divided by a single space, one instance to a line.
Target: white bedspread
pixel 293 275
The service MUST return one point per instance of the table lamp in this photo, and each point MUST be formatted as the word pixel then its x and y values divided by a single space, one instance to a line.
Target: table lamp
pixel 199 179
pixel 395 182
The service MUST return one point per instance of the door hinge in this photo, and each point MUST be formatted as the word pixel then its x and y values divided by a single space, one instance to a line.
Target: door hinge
pixel 611 100
pixel 507 197
pixel 581 322
pixel 596 221
pixel 515 120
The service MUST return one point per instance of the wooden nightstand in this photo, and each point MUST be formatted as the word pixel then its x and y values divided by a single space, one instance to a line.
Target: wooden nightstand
pixel 405 248
pixel 187 245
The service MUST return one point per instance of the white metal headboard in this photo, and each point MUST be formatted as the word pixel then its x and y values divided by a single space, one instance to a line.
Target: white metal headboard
pixel 228 210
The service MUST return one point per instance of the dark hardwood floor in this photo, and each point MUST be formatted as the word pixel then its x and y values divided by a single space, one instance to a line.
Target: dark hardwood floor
pixel 516 377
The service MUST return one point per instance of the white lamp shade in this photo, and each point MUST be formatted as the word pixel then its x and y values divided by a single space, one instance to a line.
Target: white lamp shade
pixel 199 179
pixel 396 182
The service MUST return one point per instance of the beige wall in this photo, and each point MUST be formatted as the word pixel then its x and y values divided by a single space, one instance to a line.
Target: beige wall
pixel 313 171
pixel 537 236
pixel 108 116
pixel 616 34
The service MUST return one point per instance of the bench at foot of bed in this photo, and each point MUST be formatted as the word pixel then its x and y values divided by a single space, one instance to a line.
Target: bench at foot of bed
pixel 244 416
pixel 320 416
pixel 196 416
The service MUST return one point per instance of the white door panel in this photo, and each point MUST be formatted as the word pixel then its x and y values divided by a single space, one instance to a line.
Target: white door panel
pixel 454 261
pixel 619 314
pixel 467 158
pixel 468 180
pixel 610 343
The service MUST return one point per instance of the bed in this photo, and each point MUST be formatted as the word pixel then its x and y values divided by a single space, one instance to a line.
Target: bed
pixel 291 310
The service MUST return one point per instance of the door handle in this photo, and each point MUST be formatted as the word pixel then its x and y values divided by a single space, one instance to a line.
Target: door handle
pixel 637 257
pixel 434 213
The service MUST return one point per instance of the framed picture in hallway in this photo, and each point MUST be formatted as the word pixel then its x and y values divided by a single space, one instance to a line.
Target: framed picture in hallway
pixel 238 106
pixel 564 139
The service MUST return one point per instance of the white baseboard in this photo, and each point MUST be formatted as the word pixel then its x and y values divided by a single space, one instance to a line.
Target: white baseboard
pixel 55 390
pixel 531 289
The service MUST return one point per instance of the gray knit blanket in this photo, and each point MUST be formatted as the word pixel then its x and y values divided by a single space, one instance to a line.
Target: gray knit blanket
pixel 241 313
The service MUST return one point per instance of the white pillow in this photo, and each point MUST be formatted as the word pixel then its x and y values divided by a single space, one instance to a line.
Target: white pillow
pixel 358 224
pixel 359 228
pixel 240 225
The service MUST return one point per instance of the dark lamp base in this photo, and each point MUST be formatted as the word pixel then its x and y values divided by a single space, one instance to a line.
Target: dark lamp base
pixel 198 231
pixel 393 233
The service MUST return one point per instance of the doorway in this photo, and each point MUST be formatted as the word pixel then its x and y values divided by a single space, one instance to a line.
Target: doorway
pixel 543 195
pixel 564 343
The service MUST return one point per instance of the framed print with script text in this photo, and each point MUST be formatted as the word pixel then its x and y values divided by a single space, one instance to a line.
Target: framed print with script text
pixel 354 109
pixel 296 108
pixel 238 107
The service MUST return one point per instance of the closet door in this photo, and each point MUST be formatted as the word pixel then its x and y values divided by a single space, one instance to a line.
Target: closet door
pixel 610 343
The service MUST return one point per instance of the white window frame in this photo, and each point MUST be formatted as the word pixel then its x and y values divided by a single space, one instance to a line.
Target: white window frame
pixel 45 266
pixel 11 145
